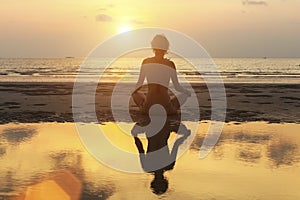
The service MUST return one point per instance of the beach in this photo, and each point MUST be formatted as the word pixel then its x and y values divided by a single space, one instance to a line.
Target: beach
pixel 256 157
pixel 52 102
pixel 259 141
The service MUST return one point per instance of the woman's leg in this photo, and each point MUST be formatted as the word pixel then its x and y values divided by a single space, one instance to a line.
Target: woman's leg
pixel 179 100
pixel 138 98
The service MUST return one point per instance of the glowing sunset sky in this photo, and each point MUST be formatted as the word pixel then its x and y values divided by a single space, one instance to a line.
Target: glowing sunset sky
pixel 231 28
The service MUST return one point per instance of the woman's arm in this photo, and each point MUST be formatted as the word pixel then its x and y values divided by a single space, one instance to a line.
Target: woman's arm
pixel 134 132
pixel 141 77
pixel 139 145
pixel 175 81
pixel 186 133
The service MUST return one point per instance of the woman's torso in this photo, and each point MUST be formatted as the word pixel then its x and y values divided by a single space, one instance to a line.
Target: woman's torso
pixel 158 75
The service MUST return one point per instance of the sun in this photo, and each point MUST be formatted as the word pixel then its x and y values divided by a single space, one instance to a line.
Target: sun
pixel 124 28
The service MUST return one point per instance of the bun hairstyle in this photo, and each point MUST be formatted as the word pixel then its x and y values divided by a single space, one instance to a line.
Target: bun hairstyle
pixel 160 42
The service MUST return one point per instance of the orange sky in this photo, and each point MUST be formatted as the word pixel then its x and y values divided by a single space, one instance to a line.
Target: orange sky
pixel 232 28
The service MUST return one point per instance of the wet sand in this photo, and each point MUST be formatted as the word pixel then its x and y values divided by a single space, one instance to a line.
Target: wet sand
pixel 52 102
pixel 257 156
pixel 254 160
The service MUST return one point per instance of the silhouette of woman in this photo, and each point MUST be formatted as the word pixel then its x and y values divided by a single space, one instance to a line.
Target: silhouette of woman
pixel 158 71
pixel 158 157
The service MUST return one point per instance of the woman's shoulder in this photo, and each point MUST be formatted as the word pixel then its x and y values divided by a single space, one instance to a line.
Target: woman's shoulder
pixel 171 63
pixel 147 60
pixel 165 61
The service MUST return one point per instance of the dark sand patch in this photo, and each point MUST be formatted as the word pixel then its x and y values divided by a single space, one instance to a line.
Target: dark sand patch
pixel 10 103
pixel 283 152
pixel 249 155
pixel 290 102
pixel 265 103
pixel 245 101
pixel 13 107
pixel 291 98
pixel 17 135
pixel 250 138
pixel 258 95
pixel 39 104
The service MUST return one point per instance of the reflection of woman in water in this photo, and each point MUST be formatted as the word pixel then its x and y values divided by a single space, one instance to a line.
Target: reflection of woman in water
pixel 158 157
pixel 158 71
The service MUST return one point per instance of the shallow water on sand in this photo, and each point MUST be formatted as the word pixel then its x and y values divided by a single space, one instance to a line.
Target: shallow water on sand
pixel 252 160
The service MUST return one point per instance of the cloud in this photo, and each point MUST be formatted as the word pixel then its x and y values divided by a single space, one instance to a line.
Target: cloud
pixel 103 18
pixel 134 21
pixel 255 3
pixel 101 9
pixel 106 7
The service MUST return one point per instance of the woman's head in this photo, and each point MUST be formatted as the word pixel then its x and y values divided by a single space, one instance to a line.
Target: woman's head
pixel 160 184
pixel 160 44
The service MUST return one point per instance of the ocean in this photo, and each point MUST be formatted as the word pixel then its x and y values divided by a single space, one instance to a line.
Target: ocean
pixel 232 70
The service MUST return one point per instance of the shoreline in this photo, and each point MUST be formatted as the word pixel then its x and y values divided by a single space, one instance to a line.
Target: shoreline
pixel 30 102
